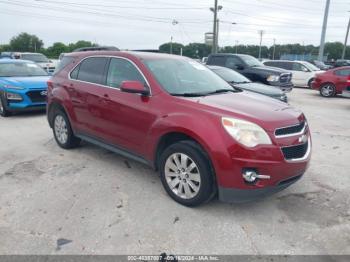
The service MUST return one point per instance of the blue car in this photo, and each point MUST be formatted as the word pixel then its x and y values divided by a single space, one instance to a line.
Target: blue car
pixel 23 86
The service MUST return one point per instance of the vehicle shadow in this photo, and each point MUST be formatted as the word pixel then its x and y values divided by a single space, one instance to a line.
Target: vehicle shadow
pixel 17 115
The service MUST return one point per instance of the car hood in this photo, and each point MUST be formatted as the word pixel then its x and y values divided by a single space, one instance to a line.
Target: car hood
pixel 267 112
pixel 261 89
pixel 32 82
pixel 270 70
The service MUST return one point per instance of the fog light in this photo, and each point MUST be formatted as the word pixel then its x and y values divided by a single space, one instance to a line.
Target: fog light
pixel 251 176
pixel 13 96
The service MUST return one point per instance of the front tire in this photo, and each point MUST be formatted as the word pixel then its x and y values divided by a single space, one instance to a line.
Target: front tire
pixel 309 84
pixel 186 173
pixel 63 132
pixel 327 90
pixel 3 111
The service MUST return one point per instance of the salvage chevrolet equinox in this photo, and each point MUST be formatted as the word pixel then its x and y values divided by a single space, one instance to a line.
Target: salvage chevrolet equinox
pixel 174 114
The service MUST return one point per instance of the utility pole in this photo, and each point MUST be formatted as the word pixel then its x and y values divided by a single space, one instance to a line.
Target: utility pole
pixel 324 29
pixel 274 49
pixel 215 10
pixel 171 45
pixel 346 40
pixel 261 33
pixel 217 34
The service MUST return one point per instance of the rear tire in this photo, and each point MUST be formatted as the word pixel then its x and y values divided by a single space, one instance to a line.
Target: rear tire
pixel 186 173
pixel 62 130
pixel 328 90
pixel 309 84
pixel 3 111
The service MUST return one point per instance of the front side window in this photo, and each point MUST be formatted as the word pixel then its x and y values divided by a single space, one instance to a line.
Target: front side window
pixel 122 70
pixel 185 76
pixel 21 70
pixel 251 61
pixel 233 62
pixel 217 60
pixel 299 67
pixel 92 70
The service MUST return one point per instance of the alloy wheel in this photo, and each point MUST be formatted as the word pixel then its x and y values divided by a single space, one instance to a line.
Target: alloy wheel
pixel 61 130
pixel 182 175
pixel 327 90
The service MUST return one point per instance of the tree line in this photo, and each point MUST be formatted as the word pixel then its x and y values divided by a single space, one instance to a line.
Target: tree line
pixel 25 42
pixel 333 50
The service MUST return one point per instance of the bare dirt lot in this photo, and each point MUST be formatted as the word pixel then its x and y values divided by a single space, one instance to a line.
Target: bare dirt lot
pixel 91 201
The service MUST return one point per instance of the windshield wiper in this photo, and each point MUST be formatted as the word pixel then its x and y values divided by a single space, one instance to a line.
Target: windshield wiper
pixel 189 94
pixel 243 82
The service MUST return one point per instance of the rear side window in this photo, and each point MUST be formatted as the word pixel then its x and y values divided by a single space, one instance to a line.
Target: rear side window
pixel 217 60
pixel 343 72
pixel 92 70
pixel 122 70
pixel 66 60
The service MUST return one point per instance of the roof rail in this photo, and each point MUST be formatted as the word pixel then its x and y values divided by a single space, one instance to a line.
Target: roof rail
pixel 97 48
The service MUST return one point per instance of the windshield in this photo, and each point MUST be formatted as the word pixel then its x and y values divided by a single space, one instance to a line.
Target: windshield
pixel 185 76
pixel 231 76
pixel 311 66
pixel 21 69
pixel 37 58
pixel 251 61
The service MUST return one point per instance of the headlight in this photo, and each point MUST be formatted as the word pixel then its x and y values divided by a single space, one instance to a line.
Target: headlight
pixel 13 96
pixel 13 87
pixel 273 78
pixel 246 133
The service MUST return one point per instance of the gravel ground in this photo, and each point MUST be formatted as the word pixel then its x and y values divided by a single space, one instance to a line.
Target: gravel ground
pixel 91 201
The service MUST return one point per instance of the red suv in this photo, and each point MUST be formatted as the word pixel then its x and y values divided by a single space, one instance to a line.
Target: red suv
pixel 333 82
pixel 177 116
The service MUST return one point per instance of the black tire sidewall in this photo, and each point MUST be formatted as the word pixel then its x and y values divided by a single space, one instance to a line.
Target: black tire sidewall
pixel 206 172
pixel 5 112
pixel 333 94
pixel 70 143
pixel 309 84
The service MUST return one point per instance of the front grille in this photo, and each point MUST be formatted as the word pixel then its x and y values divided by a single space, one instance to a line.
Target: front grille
pixel 37 96
pixel 285 78
pixel 290 129
pixel 295 152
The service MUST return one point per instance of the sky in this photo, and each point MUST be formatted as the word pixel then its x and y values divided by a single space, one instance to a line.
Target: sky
pixel 146 24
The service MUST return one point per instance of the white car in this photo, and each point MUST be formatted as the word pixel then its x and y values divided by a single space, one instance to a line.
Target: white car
pixel 40 59
pixel 303 72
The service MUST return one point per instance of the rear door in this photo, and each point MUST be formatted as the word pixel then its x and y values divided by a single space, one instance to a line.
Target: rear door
pixel 85 90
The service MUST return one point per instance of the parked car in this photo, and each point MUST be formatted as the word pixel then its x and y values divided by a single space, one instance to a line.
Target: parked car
pixel 240 81
pixel 303 72
pixel 341 63
pixel 321 65
pixel 23 86
pixel 182 119
pixel 333 82
pixel 40 59
pixel 253 69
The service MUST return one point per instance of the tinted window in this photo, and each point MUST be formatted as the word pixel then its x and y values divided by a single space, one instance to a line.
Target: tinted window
pixel 280 64
pixel 344 72
pixel 37 58
pixel 122 70
pixel 233 62
pixel 74 73
pixel 217 60
pixel 92 70
pixel 231 76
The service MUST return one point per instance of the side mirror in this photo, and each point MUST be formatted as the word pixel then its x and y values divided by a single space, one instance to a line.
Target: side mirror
pixel 304 69
pixel 134 87
pixel 240 67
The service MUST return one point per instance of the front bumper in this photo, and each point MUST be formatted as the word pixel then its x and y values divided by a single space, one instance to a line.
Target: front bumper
pixel 27 103
pixel 285 87
pixel 232 195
